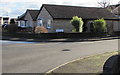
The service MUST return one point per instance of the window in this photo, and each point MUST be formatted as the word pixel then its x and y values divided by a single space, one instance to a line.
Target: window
pixel 49 24
pixel 19 24
pixel 22 23
pixel 40 22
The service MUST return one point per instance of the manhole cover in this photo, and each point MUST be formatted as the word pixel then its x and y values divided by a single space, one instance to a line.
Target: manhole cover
pixel 66 50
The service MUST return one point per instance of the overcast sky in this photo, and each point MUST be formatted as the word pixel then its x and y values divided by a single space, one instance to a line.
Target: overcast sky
pixel 14 8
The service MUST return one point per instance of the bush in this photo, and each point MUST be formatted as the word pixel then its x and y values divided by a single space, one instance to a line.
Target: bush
pixel 12 28
pixel 12 21
pixel 40 29
pixel 99 25
pixel 77 24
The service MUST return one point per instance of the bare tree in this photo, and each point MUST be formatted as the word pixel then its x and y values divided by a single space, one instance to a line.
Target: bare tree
pixel 104 3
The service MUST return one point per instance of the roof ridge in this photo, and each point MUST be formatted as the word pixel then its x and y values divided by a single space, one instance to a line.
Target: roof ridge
pixel 70 6
pixel 32 10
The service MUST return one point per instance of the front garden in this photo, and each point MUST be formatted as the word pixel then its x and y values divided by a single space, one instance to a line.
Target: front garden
pixel 98 30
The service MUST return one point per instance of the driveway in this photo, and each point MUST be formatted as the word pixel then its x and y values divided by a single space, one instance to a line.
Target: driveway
pixel 41 57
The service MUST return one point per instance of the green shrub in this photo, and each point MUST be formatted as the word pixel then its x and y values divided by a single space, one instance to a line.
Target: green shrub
pixel 99 25
pixel 77 24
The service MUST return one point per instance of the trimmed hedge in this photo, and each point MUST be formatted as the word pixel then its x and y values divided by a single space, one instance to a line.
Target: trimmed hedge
pixel 55 35
pixel 77 24
pixel 100 25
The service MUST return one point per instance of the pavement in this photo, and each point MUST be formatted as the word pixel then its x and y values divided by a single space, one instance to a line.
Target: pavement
pixel 41 57
pixel 60 40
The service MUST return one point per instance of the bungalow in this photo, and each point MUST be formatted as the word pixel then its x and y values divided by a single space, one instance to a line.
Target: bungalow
pixel 115 9
pixel 1 21
pixel 28 19
pixel 56 18
pixel 4 20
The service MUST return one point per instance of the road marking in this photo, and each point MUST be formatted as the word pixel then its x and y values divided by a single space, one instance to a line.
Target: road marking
pixel 50 71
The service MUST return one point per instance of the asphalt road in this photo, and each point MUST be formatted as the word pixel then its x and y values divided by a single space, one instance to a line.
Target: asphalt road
pixel 41 57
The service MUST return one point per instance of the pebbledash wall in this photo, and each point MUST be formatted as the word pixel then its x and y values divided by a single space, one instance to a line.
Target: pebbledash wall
pixel 30 21
pixel 112 26
pixel 62 24
pixel 67 26
pixel 45 16
pixel 116 25
pixel 55 24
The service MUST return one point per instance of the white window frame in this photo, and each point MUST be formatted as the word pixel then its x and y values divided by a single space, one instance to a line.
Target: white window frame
pixel 19 24
pixel 49 24
pixel 22 24
pixel 40 22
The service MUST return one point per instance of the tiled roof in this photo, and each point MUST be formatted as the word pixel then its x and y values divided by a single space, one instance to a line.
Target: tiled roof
pixel 21 17
pixel 33 13
pixel 67 12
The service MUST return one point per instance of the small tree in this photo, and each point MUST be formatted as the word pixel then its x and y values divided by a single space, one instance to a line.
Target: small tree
pixel 100 25
pixel 12 21
pixel 77 24
pixel 104 3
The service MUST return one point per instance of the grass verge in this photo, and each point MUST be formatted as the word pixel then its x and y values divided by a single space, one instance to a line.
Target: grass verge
pixel 92 64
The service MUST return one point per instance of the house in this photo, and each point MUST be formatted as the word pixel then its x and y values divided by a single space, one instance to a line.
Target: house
pixel 28 19
pixel 56 18
pixel 1 21
pixel 4 20
pixel 115 9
